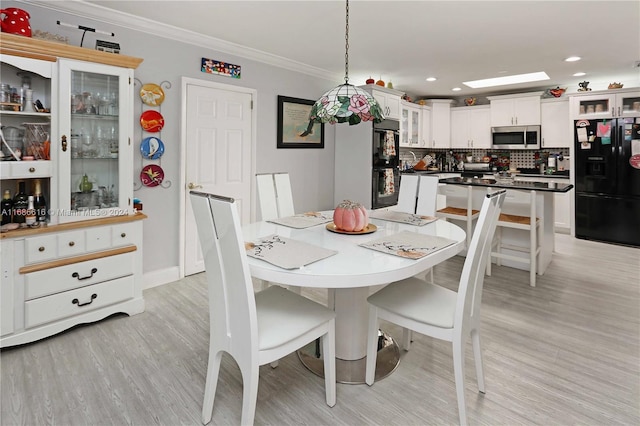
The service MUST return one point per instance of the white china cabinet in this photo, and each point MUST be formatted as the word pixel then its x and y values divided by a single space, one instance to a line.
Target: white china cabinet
pixel 515 110
pixel 471 127
pixel 615 103
pixel 84 262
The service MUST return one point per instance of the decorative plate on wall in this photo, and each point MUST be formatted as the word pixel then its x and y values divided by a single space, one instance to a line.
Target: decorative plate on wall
pixel 152 175
pixel 151 148
pixel 151 121
pixel 152 94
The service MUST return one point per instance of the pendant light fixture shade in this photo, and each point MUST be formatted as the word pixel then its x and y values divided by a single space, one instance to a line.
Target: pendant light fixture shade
pixel 346 103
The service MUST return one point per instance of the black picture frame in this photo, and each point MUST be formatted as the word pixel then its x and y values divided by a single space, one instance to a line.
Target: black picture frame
pixel 293 123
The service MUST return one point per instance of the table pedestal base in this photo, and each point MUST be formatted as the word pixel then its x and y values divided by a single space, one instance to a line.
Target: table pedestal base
pixel 353 372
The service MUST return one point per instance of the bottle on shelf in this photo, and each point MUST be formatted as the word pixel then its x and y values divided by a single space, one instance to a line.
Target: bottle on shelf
pixel 20 204
pixel 7 207
pixel 40 203
pixel 30 216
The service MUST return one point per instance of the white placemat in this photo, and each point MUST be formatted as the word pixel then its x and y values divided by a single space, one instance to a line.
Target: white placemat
pixel 285 252
pixel 402 217
pixel 408 244
pixel 304 220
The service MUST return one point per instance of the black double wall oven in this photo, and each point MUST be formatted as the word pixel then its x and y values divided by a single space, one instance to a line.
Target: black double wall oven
pixel 385 173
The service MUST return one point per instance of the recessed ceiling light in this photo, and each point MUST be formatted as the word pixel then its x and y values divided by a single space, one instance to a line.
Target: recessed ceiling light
pixel 510 79
pixel 431 79
pixel 456 89
pixel 579 74
pixel 572 59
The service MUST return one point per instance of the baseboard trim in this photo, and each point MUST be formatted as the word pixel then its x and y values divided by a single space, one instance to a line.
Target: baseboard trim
pixel 161 276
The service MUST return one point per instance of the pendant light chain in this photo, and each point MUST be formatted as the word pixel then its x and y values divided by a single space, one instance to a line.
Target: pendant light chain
pixel 346 48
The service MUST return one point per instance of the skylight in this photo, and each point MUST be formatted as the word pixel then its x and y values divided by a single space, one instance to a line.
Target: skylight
pixel 510 79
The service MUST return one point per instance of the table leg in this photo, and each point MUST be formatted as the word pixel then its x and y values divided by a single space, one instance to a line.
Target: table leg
pixel 352 313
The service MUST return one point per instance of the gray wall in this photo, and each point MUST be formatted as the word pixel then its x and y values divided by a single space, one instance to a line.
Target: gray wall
pixel 311 170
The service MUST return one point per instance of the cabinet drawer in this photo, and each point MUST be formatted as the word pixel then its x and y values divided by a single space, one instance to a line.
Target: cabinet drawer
pixel 41 248
pixel 78 301
pixel 30 169
pixel 123 234
pixel 98 238
pixel 71 243
pixel 68 277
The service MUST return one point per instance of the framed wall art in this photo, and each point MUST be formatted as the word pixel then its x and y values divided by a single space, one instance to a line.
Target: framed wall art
pixel 293 124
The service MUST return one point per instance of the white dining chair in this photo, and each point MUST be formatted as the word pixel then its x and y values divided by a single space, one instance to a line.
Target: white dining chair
pixel 275 196
pixel 519 212
pixel 438 312
pixel 276 201
pixel 426 206
pixel 254 329
pixel 407 194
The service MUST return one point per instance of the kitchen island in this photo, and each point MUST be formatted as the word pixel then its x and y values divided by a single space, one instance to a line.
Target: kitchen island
pixel 544 210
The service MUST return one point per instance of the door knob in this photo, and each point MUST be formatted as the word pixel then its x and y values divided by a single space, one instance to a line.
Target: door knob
pixel 193 186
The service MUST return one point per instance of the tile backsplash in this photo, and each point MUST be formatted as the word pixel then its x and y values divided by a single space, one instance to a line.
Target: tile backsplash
pixel 519 158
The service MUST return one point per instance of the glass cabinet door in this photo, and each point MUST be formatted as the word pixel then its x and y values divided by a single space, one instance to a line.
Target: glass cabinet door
pixel 629 104
pixel 96 177
pixel 415 127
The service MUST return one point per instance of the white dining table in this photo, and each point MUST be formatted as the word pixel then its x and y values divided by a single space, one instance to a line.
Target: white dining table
pixel 350 274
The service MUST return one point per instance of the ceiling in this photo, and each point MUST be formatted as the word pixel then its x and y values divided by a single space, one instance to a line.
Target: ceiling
pixel 406 41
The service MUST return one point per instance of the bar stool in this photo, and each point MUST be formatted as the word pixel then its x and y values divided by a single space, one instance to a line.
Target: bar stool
pixel 459 206
pixel 523 203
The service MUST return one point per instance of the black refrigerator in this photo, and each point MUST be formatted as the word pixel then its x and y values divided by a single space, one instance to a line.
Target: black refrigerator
pixel 607 180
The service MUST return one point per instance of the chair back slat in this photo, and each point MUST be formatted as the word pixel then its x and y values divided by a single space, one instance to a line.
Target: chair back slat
pixel 427 195
pixel 472 277
pixel 407 194
pixel 267 196
pixel 284 196
pixel 232 309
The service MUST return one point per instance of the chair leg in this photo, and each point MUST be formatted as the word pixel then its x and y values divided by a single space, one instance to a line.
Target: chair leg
pixel 372 346
pixel 211 383
pixel 533 244
pixel 458 370
pixel 406 339
pixel 431 274
pixel 477 356
pixel 250 377
pixel 329 354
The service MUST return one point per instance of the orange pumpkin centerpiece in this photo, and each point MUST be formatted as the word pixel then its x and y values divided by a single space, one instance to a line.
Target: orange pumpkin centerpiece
pixel 350 216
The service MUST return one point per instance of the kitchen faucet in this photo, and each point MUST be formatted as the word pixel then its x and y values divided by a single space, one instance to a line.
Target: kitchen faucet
pixel 415 159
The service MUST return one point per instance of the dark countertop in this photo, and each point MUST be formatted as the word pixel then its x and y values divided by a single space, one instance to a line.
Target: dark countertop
pixel 532 186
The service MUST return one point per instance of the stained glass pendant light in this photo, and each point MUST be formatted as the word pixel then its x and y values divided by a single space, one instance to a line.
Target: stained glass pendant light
pixel 346 103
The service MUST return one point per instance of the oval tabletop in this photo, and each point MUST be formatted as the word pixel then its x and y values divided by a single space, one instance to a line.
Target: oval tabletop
pixel 353 266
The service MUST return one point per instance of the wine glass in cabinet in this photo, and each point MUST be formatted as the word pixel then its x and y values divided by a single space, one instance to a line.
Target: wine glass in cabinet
pixel 96 164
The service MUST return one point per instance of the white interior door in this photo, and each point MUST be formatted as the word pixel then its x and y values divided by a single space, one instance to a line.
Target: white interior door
pixel 218 156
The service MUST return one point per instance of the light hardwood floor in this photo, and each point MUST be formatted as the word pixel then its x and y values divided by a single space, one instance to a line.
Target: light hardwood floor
pixel 566 352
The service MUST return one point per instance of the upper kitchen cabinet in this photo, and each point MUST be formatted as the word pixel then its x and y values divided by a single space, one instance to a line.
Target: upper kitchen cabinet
pixel 440 129
pixel 556 123
pixel 410 125
pixel 389 100
pixel 614 103
pixel 515 110
pixel 471 127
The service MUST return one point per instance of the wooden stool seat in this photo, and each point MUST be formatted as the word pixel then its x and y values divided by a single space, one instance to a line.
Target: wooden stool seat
pixel 513 218
pixel 457 211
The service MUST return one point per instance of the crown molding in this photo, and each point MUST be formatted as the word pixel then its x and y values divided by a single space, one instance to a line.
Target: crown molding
pixel 109 16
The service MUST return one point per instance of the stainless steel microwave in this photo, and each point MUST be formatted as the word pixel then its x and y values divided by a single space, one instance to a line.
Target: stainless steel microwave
pixel 516 137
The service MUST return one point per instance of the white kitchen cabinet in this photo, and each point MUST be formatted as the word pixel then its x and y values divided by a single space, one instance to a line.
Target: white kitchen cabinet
pixel 410 129
pixel 613 103
pixel 440 129
pixel 389 100
pixel 556 123
pixel 425 127
pixel 471 127
pixel 562 213
pixel 515 110
pixel 86 264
